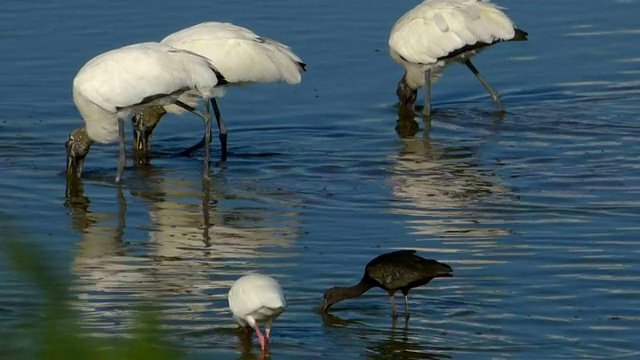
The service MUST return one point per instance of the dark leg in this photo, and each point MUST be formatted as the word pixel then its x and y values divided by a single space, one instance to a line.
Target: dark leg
pixel 207 140
pixel 202 141
pixel 406 306
pixel 122 160
pixel 394 313
pixel 427 93
pixel 222 130
pixel 494 94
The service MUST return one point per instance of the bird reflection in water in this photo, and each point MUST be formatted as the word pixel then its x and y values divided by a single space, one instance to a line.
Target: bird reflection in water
pixel 393 343
pixel 245 346
pixel 110 239
pixel 438 179
pixel 178 241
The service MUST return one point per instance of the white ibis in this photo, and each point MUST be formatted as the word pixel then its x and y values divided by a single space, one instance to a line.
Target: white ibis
pixel 436 33
pixel 113 84
pixel 256 298
pixel 242 56
pixel 399 270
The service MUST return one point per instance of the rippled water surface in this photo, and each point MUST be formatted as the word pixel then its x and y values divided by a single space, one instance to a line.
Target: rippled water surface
pixel 538 212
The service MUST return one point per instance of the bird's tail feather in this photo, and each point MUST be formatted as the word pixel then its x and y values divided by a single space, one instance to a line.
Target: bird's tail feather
pixel 520 35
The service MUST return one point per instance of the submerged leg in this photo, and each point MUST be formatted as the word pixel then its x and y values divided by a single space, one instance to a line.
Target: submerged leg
pixel 267 338
pixel 394 313
pixel 207 139
pixel 122 157
pixel 406 306
pixel 261 339
pixel 427 93
pixel 200 144
pixel 494 94
pixel 222 130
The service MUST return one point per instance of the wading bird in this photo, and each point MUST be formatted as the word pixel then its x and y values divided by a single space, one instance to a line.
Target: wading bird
pixel 242 56
pixel 399 270
pixel 256 298
pixel 112 85
pixel 436 33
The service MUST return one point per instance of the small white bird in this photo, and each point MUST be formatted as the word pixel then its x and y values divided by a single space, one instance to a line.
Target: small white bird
pixel 436 33
pixel 113 84
pixel 242 56
pixel 256 298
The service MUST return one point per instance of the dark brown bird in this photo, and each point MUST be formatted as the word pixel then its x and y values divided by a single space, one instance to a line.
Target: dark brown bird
pixel 399 270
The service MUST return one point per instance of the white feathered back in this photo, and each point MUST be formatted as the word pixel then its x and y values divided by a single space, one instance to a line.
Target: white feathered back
pixel 258 296
pixel 115 82
pixel 239 54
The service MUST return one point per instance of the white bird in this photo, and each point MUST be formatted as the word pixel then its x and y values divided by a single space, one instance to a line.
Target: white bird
pixel 113 84
pixel 256 298
pixel 436 33
pixel 242 56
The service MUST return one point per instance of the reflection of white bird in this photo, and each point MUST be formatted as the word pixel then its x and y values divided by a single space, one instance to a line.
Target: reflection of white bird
pixel 437 32
pixel 115 83
pixel 256 298
pixel 439 188
pixel 241 56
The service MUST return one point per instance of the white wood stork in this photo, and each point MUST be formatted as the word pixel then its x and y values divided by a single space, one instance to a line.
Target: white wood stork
pixel 436 33
pixel 242 56
pixel 113 84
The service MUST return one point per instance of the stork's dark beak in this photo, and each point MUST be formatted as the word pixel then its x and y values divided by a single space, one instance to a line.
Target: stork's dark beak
pixel 74 165
pixel 325 306
pixel 141 136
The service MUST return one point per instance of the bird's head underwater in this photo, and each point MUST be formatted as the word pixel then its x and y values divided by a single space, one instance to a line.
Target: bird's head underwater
pixel 144 122
pixel 78 145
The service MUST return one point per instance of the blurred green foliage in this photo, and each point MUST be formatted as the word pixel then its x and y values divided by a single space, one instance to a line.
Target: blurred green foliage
pixel 56 332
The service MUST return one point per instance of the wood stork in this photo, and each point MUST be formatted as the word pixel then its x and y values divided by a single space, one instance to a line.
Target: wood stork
pixel 436 33
pixel 242 56
pixel 113 84
pixel 399 270
pixel 256 298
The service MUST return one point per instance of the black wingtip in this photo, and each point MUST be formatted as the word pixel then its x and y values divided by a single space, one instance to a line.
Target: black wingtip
pixel 303 66
pixel 221 79
pixel 520 35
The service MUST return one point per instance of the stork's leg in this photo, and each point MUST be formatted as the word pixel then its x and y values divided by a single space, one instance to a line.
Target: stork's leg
pixel 222 130
pixel 494 94
pixel 122 160
pixel 427 93
pixel 200 144
pixel 207 139
pixel 222 134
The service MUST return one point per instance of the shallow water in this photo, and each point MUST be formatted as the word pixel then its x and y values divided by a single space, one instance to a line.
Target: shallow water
pixel 536 211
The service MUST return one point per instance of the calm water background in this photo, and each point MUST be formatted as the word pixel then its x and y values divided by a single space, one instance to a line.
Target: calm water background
pixel 538 212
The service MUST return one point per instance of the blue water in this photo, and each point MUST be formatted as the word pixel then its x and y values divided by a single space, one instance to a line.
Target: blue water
pixel 536 211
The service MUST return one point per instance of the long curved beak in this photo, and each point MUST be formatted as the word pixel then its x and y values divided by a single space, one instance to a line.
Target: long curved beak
pixel 325 306
pixel 74 166
pixel 141 141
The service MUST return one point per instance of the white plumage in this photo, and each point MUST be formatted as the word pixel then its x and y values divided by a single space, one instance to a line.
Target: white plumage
pixel 437 32
pixel 256 298
pixel 242 56
pixel 113 84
